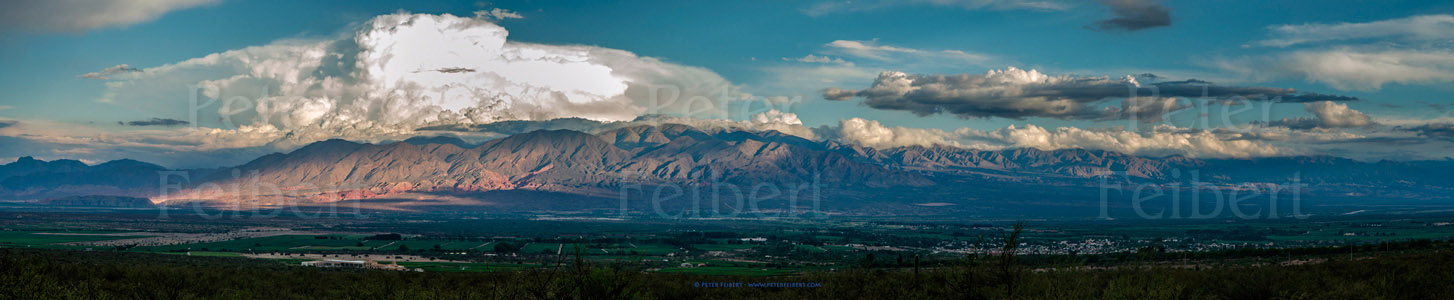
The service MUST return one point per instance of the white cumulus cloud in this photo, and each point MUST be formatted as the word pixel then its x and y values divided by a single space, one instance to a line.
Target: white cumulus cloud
pixel 1327 114
pixel 1161 140
pixel 870 133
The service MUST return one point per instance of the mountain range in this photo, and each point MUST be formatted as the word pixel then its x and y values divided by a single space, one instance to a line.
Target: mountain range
pixel 640 160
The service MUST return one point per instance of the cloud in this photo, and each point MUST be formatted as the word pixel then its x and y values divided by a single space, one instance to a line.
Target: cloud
pixel 771 120
pixel 1355 56
pixel 1149 109
pixel 820 59
pixel 75 16
pixel 870 133
pixel 775 116
pixel 158 122
pixel 1349 68
pixel 498 14
pixel 1133 15
pixel 400 72
pixel 1414 28
pixel 1327 114
pixel 105 74
pixel 1443 131
pixel 8 123
pixel 840 6
pixel 455 70
pixel 792 79
pixel 1160 140
pixel 1017 94
pixel 871 49
pixel 868 49
pixel 837 94
pixel 852 62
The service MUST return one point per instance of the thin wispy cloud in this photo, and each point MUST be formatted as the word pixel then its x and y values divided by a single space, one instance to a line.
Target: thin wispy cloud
pixel 819 59
pixel 105 74
pixel 846 6
pixel 76 16
pixel 498 14
pixel 1354 56
pixel 872 49
pixel 1414 28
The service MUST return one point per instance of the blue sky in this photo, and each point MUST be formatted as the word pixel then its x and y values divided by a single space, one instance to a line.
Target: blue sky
pixel 755 46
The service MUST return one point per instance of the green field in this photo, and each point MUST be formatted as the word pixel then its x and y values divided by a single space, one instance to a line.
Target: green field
pixel 37 239
pixel 281 243
pixel 206 253
pixel 538 248
pixel 728 271
pixel 721 247
pixel 466 267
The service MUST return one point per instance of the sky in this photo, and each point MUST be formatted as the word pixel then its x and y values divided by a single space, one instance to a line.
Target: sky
pixel 208 83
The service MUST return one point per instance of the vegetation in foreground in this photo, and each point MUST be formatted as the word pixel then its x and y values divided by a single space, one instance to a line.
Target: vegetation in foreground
pixel 64 274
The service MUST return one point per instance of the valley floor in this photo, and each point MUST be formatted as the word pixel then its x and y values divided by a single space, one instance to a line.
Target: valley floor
pixel 66 274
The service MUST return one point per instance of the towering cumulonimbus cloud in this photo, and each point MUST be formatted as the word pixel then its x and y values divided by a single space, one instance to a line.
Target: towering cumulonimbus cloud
pixel 1017 94
pixel 403 71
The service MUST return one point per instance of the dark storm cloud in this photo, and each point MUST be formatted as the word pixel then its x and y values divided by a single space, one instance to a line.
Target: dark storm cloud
pixel 456 70
pixel 159 122
pixel 1133 15
pixel 1018 94
pixel 1443 131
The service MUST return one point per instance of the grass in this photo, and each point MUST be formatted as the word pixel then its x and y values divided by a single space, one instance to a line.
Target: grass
pixel 34 239
pixel 727 271
pixel 281 243
pixel 721 247
pixel 466 267
pixel 206 253
pixel 537 248
pixel 810 248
